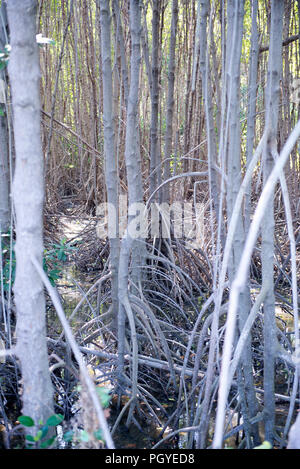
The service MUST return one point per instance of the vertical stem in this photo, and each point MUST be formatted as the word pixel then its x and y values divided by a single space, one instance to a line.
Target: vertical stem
pixel 267 253
pixel 170 99
pixel 28 195
pixel 154 96
pixel 111 169
pixel 4 172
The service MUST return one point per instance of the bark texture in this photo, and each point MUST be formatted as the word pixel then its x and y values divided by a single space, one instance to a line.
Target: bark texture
pixel 28 194
pixel 267 255
pixel 154 149
pixel 170 100
pixel 111 168
pixel 4 172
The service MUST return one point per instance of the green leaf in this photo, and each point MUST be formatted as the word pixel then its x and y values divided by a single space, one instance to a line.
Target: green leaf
pixel 264 445
pixel 38 436
pixel 47 443
pixel 61 255
pixel 54 420
pixel 104 395
pixel 68 436
pixel 3 64
pixel 98 434
pixel 26 421
pixel 30 438
pixel 84 436
pixel 44 430
pixel 54 273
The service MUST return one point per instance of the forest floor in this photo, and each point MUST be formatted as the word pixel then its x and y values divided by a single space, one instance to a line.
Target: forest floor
pixel 78 275
pixel 81 259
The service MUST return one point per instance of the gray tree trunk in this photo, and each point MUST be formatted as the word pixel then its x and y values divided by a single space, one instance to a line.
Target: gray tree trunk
pixel 267 252
pixel 154 150
pixel 129 245
pixel 111 169
pixel 232 145
pixel 170 100
pixel 245 379
pixel 251 104
pixel 28 194
pixel 250 407
pixel 120 39
pixel 4 171
pixel 203 9
pixel 132 151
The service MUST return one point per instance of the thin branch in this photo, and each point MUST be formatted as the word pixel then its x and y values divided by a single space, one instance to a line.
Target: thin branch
pixel 285 42
pixel 69 335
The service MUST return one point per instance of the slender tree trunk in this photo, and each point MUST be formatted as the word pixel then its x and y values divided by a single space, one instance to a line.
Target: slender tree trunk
pixel 208 104
pixel 246 365
pixel 111 169
pixel 245 379
pixel 232 136
pixel 170 100
pixel 4 171
pixel 251 115
pixel 54 95
pixel 201 436
pixel 154 148
pixel 132 151
pixel 267 253
pixel 120 39
pixel 145 47
pixel 28 195
pixel 131 245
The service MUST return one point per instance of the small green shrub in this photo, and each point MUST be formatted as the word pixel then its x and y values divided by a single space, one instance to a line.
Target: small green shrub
pixel 52 261
pixel 55 257
pixel 40 440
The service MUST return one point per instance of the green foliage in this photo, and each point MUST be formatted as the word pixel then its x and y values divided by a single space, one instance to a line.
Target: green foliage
pixel 175 164
pixel 200 301
pixel 54 258
pixel 8 261
pixel 26 421
pixel 104 396
pixel 52 261
pixel 59 251
pixel 4 56
pixel 81 435
pixel 40 440
pixel 54 420
pixel 264 445
pixel 68 436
